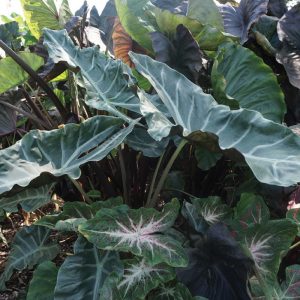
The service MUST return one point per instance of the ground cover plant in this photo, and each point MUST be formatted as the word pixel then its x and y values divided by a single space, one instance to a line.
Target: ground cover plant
pixel 152 150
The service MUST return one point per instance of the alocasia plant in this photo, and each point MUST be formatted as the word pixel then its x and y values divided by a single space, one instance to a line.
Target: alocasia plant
pixel 163 169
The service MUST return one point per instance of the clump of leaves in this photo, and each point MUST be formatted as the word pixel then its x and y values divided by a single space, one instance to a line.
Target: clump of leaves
pixel 158 163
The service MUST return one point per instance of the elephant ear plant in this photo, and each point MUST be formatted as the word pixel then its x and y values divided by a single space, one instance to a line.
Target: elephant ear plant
pixel 161 163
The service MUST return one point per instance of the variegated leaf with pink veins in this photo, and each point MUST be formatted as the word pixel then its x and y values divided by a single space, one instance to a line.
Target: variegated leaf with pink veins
pixel 266 244
pixel 139 231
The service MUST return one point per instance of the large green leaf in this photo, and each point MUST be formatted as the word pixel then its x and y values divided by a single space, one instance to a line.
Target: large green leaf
pixel 11 74
pixel 43 282
pixel 207 13
pixel 61 151
pixel 130 13
pixel 243 76
pixel 30 199
pixel 103 77
pixel 271 150
pixel 83 274
pixel 138 231
pixel 40 14
pixel 30 247
pixel 266 244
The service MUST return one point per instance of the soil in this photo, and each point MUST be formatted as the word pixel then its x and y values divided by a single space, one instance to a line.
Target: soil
pixel 18 284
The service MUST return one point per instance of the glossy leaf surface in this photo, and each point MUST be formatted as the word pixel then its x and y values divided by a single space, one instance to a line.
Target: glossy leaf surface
pixel 264 144
pixel 61 151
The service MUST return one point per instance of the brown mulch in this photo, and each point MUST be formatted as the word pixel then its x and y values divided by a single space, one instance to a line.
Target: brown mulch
pixel 18 284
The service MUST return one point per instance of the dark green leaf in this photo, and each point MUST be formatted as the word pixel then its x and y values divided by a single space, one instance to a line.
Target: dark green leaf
pixel 249 81
pixel 251 210
pixel 9 34
pixel 43 282
pixel 83 274
pixel 30 199
pixel 30 247
pixel 206 159
pixel 266 244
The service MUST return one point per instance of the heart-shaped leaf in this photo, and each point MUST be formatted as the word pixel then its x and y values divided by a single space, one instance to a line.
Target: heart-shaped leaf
pixel 249 81
pixel 238 20
pixel 60 151
pixel 30 247
pixel 83 274
pixel 264 144
pixel 140 232
pixel 266 244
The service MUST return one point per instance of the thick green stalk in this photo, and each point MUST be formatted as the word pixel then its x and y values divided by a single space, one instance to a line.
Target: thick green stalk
pixel 154 178
pixel 165 173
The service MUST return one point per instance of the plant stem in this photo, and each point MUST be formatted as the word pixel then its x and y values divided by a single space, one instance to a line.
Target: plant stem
pixel 37 78
pixel 35 108
pixel 25 113
pixel 80 189
pixel 165 173
pixel 154 178
pixel 124 177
